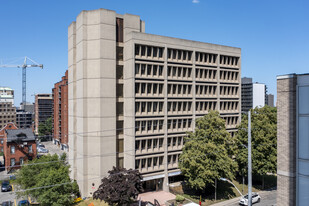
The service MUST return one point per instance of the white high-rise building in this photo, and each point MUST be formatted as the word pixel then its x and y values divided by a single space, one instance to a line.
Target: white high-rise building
pixel 7 95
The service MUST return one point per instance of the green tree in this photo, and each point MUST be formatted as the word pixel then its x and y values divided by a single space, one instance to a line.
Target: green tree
pixel 121 187
pixel 263 140
pixel 46 128
pixel 59 190
pixel 207 152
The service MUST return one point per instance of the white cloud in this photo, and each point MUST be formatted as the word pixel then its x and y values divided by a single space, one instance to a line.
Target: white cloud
pixel 196 1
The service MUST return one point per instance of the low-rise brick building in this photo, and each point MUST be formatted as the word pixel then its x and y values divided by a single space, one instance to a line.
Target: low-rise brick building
pixel 19 146
pixel 10 125
pixel 60 120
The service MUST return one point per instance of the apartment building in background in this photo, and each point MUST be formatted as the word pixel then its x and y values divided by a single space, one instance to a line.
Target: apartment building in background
pixel 270 100
pixel 7 95
pixel 133 96
pixel 24 119
pixel 293 139
pixel 253 94
pixel 7 113
pixel 60 114
pixel 43 109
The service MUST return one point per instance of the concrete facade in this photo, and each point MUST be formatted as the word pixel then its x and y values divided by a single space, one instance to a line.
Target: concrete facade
pixel 293 139
pixel 43 109
pixel 60 113
pixel 133 96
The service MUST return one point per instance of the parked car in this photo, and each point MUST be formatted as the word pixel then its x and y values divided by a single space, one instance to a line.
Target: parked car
pixel 42 150
pixel 7 203
pixel 5 186
pixel 40 145
pixel 23 203
pixel 255 198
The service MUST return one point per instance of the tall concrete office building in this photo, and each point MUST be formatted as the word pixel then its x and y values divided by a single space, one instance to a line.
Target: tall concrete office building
pixel 253 94
pixel 43 109
pixel 133 96
pixel 293 139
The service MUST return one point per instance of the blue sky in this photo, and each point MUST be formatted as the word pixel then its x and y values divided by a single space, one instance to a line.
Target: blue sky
pixel 273 34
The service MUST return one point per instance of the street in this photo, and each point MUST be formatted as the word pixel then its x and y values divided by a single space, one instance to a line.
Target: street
pixel 267 199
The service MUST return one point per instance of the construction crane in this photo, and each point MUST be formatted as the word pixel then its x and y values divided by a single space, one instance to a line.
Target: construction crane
pixel 24 66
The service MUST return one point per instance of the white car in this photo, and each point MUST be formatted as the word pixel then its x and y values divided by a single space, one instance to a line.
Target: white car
pixel 255 198
pixel 42 150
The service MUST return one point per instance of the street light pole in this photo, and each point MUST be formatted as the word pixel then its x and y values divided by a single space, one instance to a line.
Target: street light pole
pixel 227 180
pixel 249 162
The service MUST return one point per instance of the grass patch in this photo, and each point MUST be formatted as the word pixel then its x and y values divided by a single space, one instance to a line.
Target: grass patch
pixel 226 191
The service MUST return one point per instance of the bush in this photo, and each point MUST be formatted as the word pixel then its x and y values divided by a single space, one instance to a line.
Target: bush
pixel 179 198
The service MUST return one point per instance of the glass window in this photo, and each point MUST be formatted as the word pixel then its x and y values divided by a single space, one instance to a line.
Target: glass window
pixel 30 148
pixel 21 161
pixel 12 149
pixel 12 161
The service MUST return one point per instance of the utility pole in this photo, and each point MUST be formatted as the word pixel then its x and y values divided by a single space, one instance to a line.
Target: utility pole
pixel 249 162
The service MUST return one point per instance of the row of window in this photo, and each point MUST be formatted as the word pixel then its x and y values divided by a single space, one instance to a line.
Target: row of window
pixel 7 110
pixel 149 144
pixel 146 89
pixel 205 74
pixel 179 124
pixel 231 121
pixel 205 106
pixel 13 162
pixel 229 61
pixel 148 70
pixel 228 106
pixel 206 90
pixel 179 89
pixel 149 107
pixel 229 75
pixel 156 163
pixel 184 106
pixel 205 58
pixel 177 72
pixel 146 126
pixel 12 149
pixel 179 55
pixel 7 117
pixel 150 52
pixel 152 162
pixel 229 90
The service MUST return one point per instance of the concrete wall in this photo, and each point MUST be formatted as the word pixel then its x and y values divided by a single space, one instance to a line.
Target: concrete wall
pixel 286 140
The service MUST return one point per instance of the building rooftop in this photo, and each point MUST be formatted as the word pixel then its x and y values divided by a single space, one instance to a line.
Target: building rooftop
pixel 23 135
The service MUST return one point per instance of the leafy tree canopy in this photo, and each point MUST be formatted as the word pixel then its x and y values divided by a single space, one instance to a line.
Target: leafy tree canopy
pixel 263 141
pixel 207 152
pixel 121 187
pixel 46 128
pixel 38 173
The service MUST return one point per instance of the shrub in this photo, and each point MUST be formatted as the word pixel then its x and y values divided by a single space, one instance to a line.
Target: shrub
pixel 179 198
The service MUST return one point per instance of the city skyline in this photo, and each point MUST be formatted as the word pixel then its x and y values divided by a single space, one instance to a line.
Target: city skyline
pixel 264 30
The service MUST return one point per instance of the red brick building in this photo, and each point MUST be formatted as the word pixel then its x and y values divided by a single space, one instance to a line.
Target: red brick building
pixel 10 125
pixel 60 121
pixel 19 146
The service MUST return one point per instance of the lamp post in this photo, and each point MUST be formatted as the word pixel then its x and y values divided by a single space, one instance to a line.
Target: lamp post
pixel 227 180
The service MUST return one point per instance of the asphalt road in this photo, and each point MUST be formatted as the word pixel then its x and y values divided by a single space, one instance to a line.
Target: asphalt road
pixel 267 199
